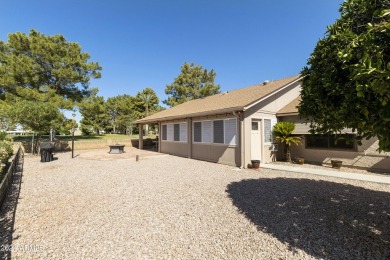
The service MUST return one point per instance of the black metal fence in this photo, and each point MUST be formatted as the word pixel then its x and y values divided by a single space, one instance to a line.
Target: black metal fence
pixel 16 166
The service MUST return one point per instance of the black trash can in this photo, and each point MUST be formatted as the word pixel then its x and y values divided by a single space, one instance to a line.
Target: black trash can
pixel 46 151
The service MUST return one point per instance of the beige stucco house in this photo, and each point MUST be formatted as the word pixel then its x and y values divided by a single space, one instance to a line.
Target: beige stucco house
pixel 323 149
pixel 235 127
pixel 229 128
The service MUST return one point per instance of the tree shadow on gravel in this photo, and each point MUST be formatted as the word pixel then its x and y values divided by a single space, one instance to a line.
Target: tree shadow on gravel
pixel 7 214
pixel 325 219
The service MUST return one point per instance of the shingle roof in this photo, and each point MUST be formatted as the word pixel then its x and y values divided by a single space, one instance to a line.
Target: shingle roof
pixel 220 103
pixel 290 108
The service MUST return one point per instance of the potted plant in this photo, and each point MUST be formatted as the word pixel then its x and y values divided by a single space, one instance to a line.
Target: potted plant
pixel 336 164
pixel 299 160
pixel 255 164
pixel 283 131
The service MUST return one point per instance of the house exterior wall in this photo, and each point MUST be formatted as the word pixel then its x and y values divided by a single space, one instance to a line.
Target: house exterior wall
pixel 218 153
pixel 301 126
pixel 174 148
pixel 266 109
pixel 360 158
pixel 364 156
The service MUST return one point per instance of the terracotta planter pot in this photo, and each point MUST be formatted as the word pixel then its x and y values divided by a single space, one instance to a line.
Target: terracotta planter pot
pixel 255 164
pixel 300 160
pixel 336 164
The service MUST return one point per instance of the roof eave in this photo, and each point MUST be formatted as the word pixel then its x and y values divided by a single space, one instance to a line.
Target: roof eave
pixel 272 93
pixel 287 114
pixel 206 113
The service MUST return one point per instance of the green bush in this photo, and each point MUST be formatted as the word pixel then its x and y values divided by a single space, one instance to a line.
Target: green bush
pixel 283 131
pixel 6 151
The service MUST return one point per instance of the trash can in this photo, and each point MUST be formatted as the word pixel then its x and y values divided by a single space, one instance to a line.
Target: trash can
pixel 255 164
pixel 46 151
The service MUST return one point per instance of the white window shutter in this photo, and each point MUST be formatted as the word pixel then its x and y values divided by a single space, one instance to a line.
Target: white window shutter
pixel 170 130
pixel 231 131
pixel 207 133
pixel 183 132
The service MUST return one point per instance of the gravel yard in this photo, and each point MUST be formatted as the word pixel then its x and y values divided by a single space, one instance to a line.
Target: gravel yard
pixel 170 207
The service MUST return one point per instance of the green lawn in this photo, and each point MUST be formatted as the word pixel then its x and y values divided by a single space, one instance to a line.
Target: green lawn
pixel 20 138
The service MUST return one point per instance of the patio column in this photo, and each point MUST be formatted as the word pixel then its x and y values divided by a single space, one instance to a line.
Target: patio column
pixel 159 137
pixel 140 136
pixel 189 137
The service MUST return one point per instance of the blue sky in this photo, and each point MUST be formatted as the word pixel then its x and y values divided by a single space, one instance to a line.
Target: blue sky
pixel 144 43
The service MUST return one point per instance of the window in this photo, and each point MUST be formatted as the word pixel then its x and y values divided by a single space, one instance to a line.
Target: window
pixel 183 132
pixel 206 132
pixel 198 132
pixel 175 132
pixel 330 141
pixel 267 131
pixel 164 132
pixel 216 131
pixel 170 132
pixel 230 131
pixel 255 126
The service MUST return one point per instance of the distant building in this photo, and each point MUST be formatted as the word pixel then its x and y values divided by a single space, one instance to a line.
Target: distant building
pixel 19 132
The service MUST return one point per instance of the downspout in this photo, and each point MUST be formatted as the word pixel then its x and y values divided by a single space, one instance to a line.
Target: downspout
pixel 241 120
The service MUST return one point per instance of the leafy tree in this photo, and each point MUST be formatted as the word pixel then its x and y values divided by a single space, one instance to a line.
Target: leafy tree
pixel 37 115
pixel 67 126
pixel 94 113
pixel 122 113
pixel 346 83
pixel 112 108
pixel 192 83
pixel 39 112
pixel 283 131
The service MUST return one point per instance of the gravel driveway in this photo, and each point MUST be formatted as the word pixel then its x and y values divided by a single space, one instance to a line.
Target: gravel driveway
pixel 170 207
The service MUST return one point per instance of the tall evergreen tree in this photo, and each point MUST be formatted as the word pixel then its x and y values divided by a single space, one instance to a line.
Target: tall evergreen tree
pixel 41 62
pixel 39 76
pixel 192 83
pixel 94 114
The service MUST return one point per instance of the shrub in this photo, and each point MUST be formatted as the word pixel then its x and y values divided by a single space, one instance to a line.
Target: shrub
pixel 6 151
pixel 283 131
